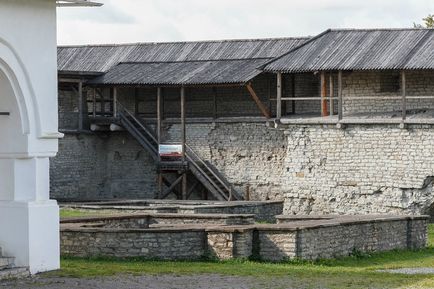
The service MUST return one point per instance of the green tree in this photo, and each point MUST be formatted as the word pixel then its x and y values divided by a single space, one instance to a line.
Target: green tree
pixel 428 22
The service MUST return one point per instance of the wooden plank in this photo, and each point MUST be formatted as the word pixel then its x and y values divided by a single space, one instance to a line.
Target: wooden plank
pixel 324 109
pixel 258 102
pixel 183 140
pixel 169 190
pixel 80 106
pixel 5 113
pixel 404 99
pixel 293 93
pixel 214 92
pixel 159 114
pixel 115 101
pixel 340 96
pixel 94 102
pixel 331 96
pixel 279 96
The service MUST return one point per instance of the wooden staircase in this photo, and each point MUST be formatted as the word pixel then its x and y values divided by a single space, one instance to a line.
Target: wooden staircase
pixel 202 170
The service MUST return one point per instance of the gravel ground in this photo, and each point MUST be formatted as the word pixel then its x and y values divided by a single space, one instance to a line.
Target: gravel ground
pixel 410 271
pixel 152 282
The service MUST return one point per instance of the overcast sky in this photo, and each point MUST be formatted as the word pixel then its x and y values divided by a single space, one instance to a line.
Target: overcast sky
pixel 120 21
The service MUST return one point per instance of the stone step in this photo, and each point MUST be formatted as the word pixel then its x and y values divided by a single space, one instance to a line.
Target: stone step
pixel 6 262
pixel 14 273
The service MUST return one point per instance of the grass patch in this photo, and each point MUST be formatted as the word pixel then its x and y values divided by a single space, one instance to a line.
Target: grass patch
pixel 76 213
pixel 358 271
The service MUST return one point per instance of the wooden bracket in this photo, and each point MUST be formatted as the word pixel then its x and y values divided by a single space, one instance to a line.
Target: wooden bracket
pixel 259 103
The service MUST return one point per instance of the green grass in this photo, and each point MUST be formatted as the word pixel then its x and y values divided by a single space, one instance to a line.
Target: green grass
pixel 351 272
pixel 75 213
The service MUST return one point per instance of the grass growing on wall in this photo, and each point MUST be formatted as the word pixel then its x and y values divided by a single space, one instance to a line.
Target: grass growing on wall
pixel 352 272
pixel 75 213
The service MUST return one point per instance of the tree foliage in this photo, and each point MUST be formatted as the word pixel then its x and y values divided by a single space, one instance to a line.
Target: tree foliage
pixel 428 22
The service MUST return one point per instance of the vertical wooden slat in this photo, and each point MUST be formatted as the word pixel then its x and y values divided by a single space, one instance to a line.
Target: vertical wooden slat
pixel 183 140
pixel 279 96
pixel 324 109
pixel 404 95
pixel 214 92
pixel 80 106
pixel 159 125
pixel 115 102
pixel 94 102
pixel 331 89
pixel 340 96
pixel 136 100
pixel 293 92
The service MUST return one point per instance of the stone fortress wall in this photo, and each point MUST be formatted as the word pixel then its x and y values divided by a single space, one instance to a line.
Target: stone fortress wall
pixel 316 169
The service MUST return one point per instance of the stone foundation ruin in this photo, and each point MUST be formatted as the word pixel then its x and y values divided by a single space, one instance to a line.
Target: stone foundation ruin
pixel 176 230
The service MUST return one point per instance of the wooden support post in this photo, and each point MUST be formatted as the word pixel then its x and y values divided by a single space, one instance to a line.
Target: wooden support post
pixel 259 103
pixel 183 140
pixel 159 127
pixel 332 92
pixel 136 101
pixel 293 92
pixel 115 102
pixel 80 106
pixel 340 96
pixel 324 109
pixel 94 102
pixel 404 96
pixel 214 92
pixel 279 96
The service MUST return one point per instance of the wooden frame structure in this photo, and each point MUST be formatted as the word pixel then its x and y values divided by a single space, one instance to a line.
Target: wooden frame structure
pixel 328 105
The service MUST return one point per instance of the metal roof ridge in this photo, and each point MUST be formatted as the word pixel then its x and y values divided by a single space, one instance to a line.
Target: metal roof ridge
pixel 192 61
pixel 262 67
pixel 184 42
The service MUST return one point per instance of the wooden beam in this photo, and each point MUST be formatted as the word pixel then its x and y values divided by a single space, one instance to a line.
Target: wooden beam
pixel 259 103
pixel 279 96
pixel 340 96
pixel 172 186
pixel 183 140
pixel 293 92
pixel 331 96
pixel 159 114
pixel 94 102
pixel 404 95
pixel 5 113
pixel 214 91
pixel 191 190
pixel 324 109
pixel 115 101
pixel 80 106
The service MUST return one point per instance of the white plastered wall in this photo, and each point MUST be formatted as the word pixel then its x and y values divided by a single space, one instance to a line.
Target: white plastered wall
pixel 29 221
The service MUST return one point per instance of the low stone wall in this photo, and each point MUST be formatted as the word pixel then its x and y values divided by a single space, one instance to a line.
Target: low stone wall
pixel 263 211
pixel 164 244
pixel 308 239
pixel 163 220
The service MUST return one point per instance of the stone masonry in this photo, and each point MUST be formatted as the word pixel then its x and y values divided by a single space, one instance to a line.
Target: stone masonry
pixel 315 169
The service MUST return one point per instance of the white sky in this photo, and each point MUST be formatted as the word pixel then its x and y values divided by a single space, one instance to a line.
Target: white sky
pixel 120 21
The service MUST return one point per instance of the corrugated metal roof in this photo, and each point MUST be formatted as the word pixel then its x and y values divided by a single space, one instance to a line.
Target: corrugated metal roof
pixel 100 58
pixel 376 49
pixel 182 73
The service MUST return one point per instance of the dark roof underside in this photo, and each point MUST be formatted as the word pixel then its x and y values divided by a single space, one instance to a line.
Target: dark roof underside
pixel 100 58
pixel 182 73
pixel 380 49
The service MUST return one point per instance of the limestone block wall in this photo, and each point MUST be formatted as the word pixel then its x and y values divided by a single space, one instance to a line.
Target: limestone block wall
pixel 362 169
pixel 376 83
pixel 167 244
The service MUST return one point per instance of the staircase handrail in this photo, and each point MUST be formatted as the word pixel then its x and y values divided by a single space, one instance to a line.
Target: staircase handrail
pixel 198 158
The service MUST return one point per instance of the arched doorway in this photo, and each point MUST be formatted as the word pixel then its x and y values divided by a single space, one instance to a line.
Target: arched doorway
pixel 29 221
